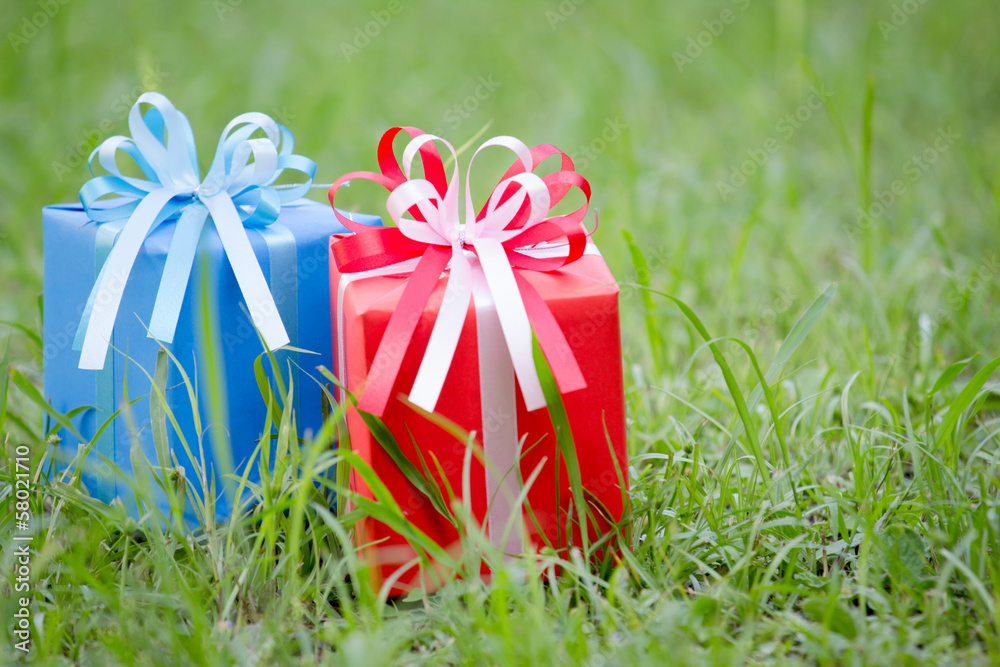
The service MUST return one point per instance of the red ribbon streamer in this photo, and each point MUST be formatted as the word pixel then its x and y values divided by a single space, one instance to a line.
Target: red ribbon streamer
pixel 373 248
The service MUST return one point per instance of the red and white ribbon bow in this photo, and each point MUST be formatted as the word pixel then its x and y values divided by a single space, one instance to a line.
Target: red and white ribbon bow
pixel 483 251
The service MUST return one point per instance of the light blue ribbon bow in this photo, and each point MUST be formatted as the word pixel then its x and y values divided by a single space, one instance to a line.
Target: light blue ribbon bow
pixel 236 193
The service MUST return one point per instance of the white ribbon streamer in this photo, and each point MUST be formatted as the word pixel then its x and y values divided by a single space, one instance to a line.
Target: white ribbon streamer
pixel 445 228
pixel 496 384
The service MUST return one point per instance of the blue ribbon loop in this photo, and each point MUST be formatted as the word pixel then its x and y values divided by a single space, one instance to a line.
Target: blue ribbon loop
pixel 237 193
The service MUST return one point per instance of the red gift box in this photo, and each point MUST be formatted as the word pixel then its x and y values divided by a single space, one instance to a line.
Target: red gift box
pixel 582 298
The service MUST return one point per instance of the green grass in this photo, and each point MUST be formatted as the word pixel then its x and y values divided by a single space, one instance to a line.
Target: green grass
pixel 843 513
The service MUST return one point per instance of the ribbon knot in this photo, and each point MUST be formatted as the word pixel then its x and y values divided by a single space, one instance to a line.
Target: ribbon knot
pixel 237 193
pixel 484 255
pixel 206 190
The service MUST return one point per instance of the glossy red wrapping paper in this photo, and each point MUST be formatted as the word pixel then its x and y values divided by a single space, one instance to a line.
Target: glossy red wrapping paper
pixel 583 298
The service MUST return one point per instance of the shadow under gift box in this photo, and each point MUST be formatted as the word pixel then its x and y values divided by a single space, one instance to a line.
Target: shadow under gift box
pixel 583 297
pixel 70 269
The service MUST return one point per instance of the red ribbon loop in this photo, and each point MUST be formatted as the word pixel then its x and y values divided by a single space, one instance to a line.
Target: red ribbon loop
pixel 530 238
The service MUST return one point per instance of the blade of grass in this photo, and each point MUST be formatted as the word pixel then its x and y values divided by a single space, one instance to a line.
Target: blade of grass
pixel 964 400
pixel 792 341
pixel 385 509
pixel 4 385
pixel 564 442
pixel 27 331
pixel 731 383
pixel 949 375
pixel 209 348
pixel 642 276
pixel 29 390
pixel 385 439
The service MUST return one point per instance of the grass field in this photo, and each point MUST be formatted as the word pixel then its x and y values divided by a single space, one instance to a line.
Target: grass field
pixel 782 168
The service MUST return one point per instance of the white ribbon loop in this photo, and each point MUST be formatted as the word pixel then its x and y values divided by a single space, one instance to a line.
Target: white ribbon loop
pixel 444 227
pixel 237 192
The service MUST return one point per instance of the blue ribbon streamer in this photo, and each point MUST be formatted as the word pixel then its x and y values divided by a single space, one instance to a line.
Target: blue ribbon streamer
pixel 284 273
pixel 105 379
pixel 237 194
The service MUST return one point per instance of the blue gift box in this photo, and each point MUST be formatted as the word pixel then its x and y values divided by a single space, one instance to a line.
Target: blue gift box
pixel 300 288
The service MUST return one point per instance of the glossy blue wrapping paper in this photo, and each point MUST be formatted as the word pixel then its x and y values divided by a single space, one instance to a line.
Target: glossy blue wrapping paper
pixel 301 288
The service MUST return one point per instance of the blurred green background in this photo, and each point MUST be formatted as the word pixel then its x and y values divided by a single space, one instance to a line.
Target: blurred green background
pixel 756 152
pixel 659 102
